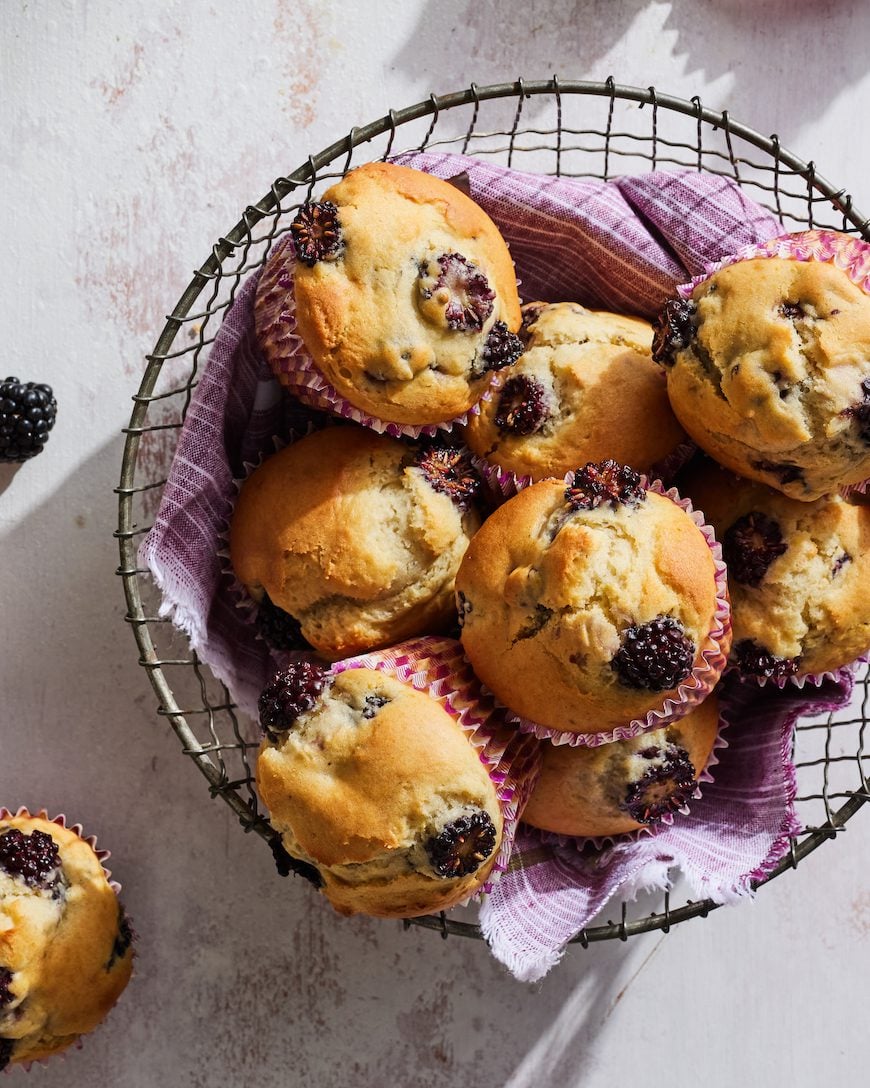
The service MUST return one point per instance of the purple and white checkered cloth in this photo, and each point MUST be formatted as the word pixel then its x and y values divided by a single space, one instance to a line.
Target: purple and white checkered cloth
pixel 622 245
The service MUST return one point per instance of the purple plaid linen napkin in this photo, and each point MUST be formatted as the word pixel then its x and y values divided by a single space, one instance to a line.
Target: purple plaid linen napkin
pixel 622 245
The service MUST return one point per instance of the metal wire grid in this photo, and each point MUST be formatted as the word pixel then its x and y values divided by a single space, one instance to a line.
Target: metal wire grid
pixel 571 129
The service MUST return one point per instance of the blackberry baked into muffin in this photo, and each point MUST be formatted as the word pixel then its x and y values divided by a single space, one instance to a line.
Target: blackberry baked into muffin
pixel 376 789
pixel 405 294
pixel 798 574
pixel 586 607
pixel 769 372
pixel 585 389
pixel 624 786
pixel 354 536
pixel 65 943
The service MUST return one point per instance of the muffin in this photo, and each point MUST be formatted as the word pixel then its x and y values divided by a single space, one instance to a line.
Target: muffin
pixel 355 536
pixel 65 945
pixel 588 607
pixel 769 371
pixel 585 389
pixel 798 574
pixel 376 787
pixel 624 786
pixel 405 294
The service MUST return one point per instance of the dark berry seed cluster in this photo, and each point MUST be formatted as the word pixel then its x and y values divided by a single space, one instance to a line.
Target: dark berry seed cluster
pixel 463 845
pixel 289 694
pixel 662 789
pixel 673 330
pixel 6 996
pixel 502 348
pixel 32 857
pixel 123 939
pixel 450 471
pixel 521 408
pixel 756 661
pixel 606 481
pixel 373 705
pixel 750 545
pixel 27 414
pixel 316 232
pixel 861 412
pixel 657 655
pixel 279 629
pixel 465 289
pixel 531 312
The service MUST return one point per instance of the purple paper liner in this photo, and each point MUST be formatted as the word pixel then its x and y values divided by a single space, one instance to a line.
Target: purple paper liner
pixel 703 677
pixel 294 367
pixel 437 666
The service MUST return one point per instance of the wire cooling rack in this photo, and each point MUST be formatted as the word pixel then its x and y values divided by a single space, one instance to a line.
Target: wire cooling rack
pixel 571 129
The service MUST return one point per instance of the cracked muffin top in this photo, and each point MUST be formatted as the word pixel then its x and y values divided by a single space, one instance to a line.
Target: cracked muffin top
pixel 585 389
pixel 769 372
pixel 378 788
pixel 355 536
pixel 585 607
pixel 405 294
pixel 624 786
pixel 65 953
pixel 798 574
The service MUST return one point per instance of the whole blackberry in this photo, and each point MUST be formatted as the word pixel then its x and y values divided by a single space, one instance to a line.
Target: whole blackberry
pixel 606 481
pixel 27 414
pixel 6 995
pixel 463 845
pixel 279 629
pixel 502 348
pixel 32 857
pixel 750 545
pixel 756 661
pixel 521 408
pixel 289 694
pixel 657 655
pixel 450 471
pixel 316 232
pixel 673 330
pixel 662 789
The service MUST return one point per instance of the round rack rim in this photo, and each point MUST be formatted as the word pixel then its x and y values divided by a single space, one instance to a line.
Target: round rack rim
pixel 127 533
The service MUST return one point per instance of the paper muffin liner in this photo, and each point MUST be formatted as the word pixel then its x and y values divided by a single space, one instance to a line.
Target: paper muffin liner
pixel 602 842
pixel 437 666
pixel 702 679
pixel 298 373
pixel 814 679
pixel 22 812
pixel 851 255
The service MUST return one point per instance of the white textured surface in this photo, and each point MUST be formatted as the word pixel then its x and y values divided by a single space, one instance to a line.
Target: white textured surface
pixel 133 134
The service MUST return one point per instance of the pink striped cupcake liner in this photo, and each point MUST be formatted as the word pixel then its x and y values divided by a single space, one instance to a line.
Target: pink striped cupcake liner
pixel 703 677
pixel 437 666
pixel 297 371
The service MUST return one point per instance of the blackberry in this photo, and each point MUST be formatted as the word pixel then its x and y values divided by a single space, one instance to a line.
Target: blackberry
pixel 792 310
pixel 521 408
pixel 607 481
pixel 279 629
pixel 450 471
pixel 673 330
pixel 461 292
pixel 463 845
pixel 123 939
pixel 6 995
pixel 531 312
pixel 373 705
pixel 502 348
pixel 316 232
pixel 286 864
pixel 32 857
pixel 657 655
pixel 861 412
pixel 750 545
pixel 662 789
pixel 6 1048
pixel 785 473
pixel 27 414
pixel 756 661
pixel 289 694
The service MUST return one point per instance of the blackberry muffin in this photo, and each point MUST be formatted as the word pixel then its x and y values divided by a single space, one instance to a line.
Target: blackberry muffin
pixel 351 541
pixel 376 790
pixel 586 607
pixel 798 574
pixel 624 786
pixel 65 953
pixel 405 294
pixel 769 372
pixel 585 389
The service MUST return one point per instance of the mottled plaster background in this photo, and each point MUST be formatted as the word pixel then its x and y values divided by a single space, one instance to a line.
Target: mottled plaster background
pixel 133 135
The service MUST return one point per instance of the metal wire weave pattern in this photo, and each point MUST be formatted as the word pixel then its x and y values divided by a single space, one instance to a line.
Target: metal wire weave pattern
pixel 571 129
